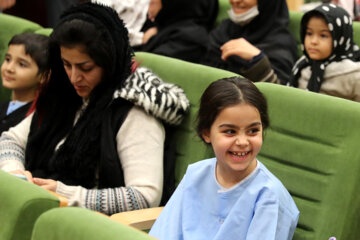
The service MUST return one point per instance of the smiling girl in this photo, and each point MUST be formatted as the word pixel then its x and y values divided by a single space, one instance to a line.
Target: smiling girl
pixel 231 196
pixel 330 64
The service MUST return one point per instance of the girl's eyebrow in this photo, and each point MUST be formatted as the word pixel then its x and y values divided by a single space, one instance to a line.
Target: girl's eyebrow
pixel 227 125
pixel 19 58
pixel 322 30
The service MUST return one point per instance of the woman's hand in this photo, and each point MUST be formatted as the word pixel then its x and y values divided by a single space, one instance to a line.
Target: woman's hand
pixel 149 34
pixel 47 184
pixel 239 47
pixel 27 174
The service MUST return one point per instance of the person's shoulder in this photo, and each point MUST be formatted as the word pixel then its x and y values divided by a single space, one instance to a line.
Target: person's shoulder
pixel 138 115
pixel 346 66
pixel 4 103
pixel 270 180
pixel 273 187
pixel 201 167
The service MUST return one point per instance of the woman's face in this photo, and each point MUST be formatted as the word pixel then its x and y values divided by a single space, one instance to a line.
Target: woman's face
pixel 82 70
pixel 241 6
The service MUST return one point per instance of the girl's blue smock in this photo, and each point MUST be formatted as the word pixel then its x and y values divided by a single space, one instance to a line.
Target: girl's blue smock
pixel 259 207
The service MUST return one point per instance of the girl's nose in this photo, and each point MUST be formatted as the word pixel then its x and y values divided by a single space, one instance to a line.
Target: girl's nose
pixel 314 40
pixel 9 66
pixel 241 141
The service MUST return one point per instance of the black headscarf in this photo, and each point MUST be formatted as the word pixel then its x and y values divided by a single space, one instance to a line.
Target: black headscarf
pixel 202 12
pixel 268 31
pixel 78 158
pixel 183 27
pixel 340 26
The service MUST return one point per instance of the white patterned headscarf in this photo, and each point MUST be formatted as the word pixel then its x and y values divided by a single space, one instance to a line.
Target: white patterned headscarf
pixel 340 26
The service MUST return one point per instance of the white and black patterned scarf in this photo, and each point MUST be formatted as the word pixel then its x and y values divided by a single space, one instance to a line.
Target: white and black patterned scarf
pixel 163 100
pixel 340 26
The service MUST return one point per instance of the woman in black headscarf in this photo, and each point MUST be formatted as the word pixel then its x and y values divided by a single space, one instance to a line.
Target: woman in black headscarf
pixel 254 37
pixel 91 138
pixel 181 28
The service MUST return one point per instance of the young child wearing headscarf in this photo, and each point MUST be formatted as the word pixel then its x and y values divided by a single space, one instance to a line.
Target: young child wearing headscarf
pixel 330 64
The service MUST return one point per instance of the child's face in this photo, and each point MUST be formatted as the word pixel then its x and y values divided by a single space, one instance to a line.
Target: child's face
pixel 236 137
pixel 19 71
pixel 241 6
pixel 318 39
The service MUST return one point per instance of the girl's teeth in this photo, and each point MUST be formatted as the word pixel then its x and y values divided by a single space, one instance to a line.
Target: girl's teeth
pixel 241 154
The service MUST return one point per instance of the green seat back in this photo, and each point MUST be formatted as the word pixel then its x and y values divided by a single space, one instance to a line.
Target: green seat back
pixel 193 78
pixel 224 6
pixel 82 224
pixel 21 203
pixel 312 147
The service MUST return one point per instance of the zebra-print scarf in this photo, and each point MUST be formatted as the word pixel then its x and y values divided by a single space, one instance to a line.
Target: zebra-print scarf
pixel 163 100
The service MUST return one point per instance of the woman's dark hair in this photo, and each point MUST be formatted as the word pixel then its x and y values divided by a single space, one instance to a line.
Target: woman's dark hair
pixel 90 39
pixel 102 35
pixel 36 45
pixel 228 92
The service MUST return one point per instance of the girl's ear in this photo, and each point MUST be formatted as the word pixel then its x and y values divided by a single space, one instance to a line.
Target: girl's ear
pixel 206 136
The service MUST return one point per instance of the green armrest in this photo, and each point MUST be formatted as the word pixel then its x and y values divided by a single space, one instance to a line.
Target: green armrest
pixel 21 203
pixel 82 224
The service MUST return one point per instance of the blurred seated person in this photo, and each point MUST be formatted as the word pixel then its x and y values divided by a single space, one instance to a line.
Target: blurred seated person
pixel 254 41
pixel 179 28
pixel 134 14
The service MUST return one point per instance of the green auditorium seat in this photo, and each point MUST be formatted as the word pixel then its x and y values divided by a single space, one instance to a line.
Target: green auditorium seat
pixel 21 203
pixel 82 224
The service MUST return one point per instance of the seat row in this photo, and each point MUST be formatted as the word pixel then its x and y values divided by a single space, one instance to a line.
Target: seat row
pixel 311 146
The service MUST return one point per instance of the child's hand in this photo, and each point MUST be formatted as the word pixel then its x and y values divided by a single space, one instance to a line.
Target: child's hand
pixel 47 184
pixel 239 47
pixel 27 174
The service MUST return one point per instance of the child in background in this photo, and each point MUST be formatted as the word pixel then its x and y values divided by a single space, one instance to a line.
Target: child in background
pixel 231 196
pixel 330 64
pixel 24 68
